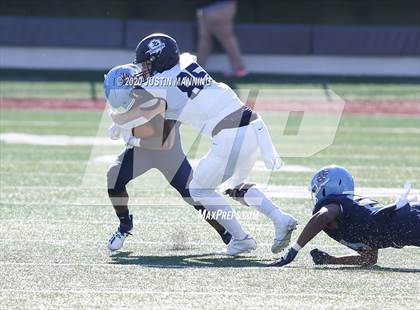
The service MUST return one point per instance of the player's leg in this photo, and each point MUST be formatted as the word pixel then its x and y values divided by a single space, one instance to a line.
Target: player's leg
pixel 208 175
pixel 129 164
pixel 251 195
pixel 205 40
pixel 415 207
pixel 220 24
pixel 407 219
pixel 178 172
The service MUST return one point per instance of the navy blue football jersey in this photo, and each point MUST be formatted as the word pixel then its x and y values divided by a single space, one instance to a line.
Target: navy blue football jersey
pixel 367 224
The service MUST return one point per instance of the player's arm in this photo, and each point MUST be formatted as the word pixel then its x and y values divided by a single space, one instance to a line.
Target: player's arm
pixel 137 116
pixel 158 134
pixel 327 216
pixel 364 258
pixel 146 106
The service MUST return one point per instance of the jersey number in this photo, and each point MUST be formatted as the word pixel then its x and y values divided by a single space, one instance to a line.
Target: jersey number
pixel 192 81
pixel 371 205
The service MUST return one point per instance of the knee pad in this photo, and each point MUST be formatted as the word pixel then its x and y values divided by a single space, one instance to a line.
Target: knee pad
pixel 238 192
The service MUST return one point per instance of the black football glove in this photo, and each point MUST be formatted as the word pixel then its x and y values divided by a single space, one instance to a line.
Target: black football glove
pixel 286 259
pixel 319 257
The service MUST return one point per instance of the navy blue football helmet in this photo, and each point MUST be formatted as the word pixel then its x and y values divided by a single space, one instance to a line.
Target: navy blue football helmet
pixel 331 180
pixel 156 53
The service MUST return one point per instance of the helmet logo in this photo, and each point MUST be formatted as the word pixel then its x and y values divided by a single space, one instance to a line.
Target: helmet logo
pixel 155 47
pixel 322 176
pixel 120 80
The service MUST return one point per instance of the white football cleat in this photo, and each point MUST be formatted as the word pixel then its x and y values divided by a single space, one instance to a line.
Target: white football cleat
pixel 236 247
pixel 284 229
pixel 117 239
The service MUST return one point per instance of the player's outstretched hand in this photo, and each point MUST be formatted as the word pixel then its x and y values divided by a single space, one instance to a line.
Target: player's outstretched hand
pixel 286 258
pixel 114 132
pixel 319 257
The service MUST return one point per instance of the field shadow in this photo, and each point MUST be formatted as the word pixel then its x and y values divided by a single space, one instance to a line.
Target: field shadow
pixel 207 260
pixel 375 268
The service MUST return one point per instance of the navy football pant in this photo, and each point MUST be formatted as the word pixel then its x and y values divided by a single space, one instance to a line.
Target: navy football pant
pixel 408 219
pixel 172 163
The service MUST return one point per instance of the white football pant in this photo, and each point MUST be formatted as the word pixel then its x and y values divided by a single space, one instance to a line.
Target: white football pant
pixel 230 159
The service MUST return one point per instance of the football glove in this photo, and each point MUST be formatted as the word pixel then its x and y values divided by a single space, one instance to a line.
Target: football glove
pixel 319 257
pixel 114 131
pixel 287 257
pixel 129 139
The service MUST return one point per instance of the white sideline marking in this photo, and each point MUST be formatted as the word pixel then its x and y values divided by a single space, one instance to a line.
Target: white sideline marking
pixel 22 174
pixel 89 124
pixel 105 159
pixel 275 191
pixel 284 191
pixel 144 221
pixel 63 140
pixel 259 165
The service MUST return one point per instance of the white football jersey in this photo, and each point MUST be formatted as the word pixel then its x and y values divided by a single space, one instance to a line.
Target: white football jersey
pixel 192 96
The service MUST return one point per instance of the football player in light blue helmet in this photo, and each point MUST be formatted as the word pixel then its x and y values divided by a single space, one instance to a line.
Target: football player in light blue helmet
pixel 160 148
pixel 118 87
pixel 359 223
pixel 331 180
pixel 128 102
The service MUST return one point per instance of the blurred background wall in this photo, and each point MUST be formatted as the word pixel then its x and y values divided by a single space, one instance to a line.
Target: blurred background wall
pixel 326 12
pixel 335 37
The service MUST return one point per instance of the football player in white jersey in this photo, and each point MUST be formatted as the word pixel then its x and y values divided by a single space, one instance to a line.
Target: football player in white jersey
pixel 178 88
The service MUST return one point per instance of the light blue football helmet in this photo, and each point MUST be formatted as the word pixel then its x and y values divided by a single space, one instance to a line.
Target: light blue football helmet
pixel 331 180
pixel 118 85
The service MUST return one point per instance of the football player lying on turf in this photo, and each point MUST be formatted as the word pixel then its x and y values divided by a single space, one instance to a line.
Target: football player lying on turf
pixel 360 223
pixel 153 145
pixel 181 90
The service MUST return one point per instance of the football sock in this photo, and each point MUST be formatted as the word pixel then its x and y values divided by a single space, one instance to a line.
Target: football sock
pixel 217 206
pixel 257 199
pixel 126 221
